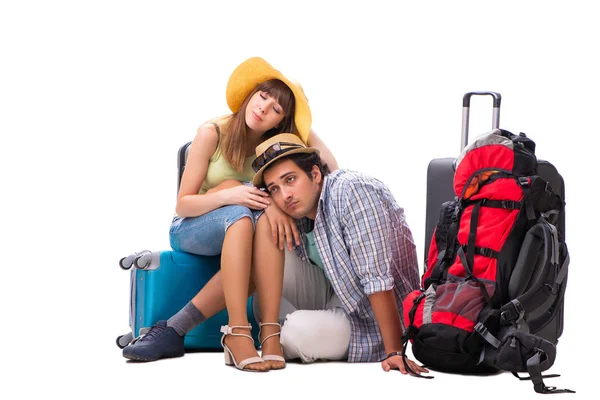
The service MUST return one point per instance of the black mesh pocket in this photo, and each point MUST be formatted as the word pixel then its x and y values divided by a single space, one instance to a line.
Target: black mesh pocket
pixel 464 299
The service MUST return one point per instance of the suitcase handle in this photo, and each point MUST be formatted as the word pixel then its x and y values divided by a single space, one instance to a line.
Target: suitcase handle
pixel 466 108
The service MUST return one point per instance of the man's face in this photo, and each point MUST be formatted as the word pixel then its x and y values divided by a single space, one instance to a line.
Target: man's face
pixel 292 190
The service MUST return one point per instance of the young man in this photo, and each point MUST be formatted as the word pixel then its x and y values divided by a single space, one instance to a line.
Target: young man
pixel 362 254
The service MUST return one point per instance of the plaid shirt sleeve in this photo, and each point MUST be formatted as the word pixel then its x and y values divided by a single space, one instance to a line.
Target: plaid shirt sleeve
pixel 367 228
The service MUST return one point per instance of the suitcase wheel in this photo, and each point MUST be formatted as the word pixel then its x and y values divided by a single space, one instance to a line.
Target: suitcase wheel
pixel 124 340
pixel 126 262
pixel 143 260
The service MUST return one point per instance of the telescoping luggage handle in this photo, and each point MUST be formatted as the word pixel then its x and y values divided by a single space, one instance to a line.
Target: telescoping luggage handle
pixel 466 107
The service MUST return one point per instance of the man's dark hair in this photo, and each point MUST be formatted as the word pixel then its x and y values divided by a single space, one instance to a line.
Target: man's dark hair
pixel 306 161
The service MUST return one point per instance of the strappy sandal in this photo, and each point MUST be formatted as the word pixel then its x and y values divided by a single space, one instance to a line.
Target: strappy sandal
pixel 271 357
pixel 229 357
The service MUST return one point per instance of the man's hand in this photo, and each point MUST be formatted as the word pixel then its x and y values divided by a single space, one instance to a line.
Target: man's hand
pixel 395 362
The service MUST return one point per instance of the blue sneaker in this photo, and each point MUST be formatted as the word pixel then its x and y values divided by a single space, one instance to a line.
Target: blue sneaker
pixel 161 341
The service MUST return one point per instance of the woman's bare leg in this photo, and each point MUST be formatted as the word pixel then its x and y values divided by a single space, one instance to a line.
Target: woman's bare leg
pixel 236 259
pixel 267 272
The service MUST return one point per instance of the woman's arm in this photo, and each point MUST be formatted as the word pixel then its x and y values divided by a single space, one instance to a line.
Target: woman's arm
pixel 283 228
pixel 326 155
pixel 189 202
pixel 192 204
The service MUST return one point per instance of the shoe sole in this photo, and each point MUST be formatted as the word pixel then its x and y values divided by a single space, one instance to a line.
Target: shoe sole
pixel 135 357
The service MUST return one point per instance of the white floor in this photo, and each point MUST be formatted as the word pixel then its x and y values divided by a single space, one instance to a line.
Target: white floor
pixel 195 373
pixel 102 373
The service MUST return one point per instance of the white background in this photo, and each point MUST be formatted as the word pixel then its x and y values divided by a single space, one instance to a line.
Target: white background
pixel 97 97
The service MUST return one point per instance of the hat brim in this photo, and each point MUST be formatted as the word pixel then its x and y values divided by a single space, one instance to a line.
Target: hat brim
pixel 258 177
pixel 255 71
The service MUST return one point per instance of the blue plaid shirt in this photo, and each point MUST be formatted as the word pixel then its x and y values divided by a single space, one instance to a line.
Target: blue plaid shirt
pixel 366 247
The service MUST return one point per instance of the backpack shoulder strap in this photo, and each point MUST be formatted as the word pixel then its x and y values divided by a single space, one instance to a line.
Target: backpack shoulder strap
pixel 539 273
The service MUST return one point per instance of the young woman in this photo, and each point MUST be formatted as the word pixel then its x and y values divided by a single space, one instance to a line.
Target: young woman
pixel 219 212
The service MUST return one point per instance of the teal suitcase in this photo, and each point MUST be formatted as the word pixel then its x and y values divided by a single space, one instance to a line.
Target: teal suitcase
pixel 164 282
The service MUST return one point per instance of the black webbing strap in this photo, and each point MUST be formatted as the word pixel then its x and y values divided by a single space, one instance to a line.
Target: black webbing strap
pixel 506 204
pixel 485 334
pixel 485 251
pixel 438 269
pixel 408 368
pixel 465 263
pixel 525 183
pixel 410 333
pixel 446 256
pixel 469 275
pixel 472 234
pixel 535 373
pixel 528 378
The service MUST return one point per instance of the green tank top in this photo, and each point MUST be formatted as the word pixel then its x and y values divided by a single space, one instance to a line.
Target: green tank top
pixel 220 170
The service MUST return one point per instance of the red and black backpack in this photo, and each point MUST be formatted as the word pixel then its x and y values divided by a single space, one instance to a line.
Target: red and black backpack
pixel 496 267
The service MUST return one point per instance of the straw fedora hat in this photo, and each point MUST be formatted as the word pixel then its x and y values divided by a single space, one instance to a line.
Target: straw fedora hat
pixel 255 71
pixel 273 149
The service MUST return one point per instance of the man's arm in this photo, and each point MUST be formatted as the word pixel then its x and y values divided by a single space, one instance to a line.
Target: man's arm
pixel 368 226
pixel 388 319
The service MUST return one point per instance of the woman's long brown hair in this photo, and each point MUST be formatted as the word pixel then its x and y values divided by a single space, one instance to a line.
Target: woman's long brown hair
pixel 233 143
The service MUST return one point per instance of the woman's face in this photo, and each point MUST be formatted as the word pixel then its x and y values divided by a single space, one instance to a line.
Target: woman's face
pixel 263 112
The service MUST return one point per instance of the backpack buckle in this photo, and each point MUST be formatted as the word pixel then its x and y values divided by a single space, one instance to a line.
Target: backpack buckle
pixel 513 311
pixel 483 331
pixel 524 181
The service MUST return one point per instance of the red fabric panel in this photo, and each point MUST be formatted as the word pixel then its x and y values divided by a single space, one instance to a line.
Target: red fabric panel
pixel 485 268
pixel 501 189
pixel 452 319
pixel 407 305
pixel 494 226
pixel 492 156
pixel 457 269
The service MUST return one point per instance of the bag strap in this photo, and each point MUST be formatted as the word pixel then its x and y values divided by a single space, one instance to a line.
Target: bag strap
pixel 410 333
pixel 535 374
pixel 446 256
pixel 469 275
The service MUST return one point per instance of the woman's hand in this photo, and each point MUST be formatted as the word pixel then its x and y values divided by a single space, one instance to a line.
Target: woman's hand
pixel 248 196
pixel 283 228
pixel 395 362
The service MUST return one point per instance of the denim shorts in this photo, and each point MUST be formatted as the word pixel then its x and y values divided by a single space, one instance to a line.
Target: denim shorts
pixel 205 234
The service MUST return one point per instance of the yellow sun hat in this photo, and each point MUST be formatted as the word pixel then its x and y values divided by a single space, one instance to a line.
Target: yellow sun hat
pixel 255 71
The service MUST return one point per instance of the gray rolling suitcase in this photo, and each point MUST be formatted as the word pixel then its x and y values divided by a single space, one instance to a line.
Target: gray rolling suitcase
pixel 440 176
